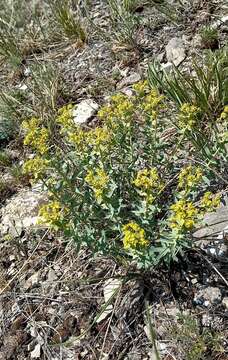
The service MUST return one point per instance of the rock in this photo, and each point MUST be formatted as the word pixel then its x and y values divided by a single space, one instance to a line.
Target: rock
pixel 216 226
pixel 167 67
pixel 208 296
pixel 33 280
pixel 162 350
pixel 175 51
pixel 127 91
pixel 52 275
pixel 21 212
pixel 220 22
pixel 214 322
pixel 225 302
pixel 35 354
pixel 22 87
pixel 110 287
pixel 83 112
pixel 131 79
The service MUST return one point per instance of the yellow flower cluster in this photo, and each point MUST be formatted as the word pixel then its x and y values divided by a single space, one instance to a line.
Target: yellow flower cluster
pixel 210 202
pixel 78 138
pixel 224 114
pixel 65 118
pixel 149 183
pixel 141 88
pixel 50 213
pixel 134 236
pixel 184 215
pixel 100 139
pixel 152 103
pixel 189 177
pixel 37 135
pixel 188 116
pixel 120 108
pixel 36 167
pixel 98 181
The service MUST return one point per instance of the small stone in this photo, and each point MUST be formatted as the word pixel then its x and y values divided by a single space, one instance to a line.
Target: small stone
pixel 210 295
pixel 167 67
pixel 35 354
pixel 22 87
pixel 206 320
pixel 225 302
pixel 127 91
pixel 131 79
pixel 33 280
pixel 175 51
pixel 110 287
pixel 83 112
pixel 220 22
pixel 52 275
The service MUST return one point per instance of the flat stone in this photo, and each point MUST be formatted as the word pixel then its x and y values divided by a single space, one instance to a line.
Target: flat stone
pixel 21 212
pixel 83 112
pixel 175 51
pixel 215 222
pixel 129 80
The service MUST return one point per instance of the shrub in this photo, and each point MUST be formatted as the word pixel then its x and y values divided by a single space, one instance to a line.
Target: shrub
pixel 118 188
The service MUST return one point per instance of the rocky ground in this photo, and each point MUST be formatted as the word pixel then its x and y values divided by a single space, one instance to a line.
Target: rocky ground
pixel 56 303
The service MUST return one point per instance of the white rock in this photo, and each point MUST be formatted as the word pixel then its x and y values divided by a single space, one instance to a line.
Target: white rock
pixel 175 51
pixel 84 111
pixel 220 22
pixel 35 354
pixel 167 67
pixel 110 287
pixel 21 212
pixel 225 302
pixel 22 87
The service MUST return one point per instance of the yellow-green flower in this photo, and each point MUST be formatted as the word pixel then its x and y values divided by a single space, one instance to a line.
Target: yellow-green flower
pixel 65 117
pixel 189 177
pixel 121 108
pixel 224 114
pixel 50 213
pixel 78 138
pixel 188 116
pixel 141 88
pixel 210 202
pixel 184 215
pixel 36 167
pixel 134 236
pixel 106 112
pixel 152 103
pixel 37 135
pixel 99 138
pixel 149 183
pixel 98 181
